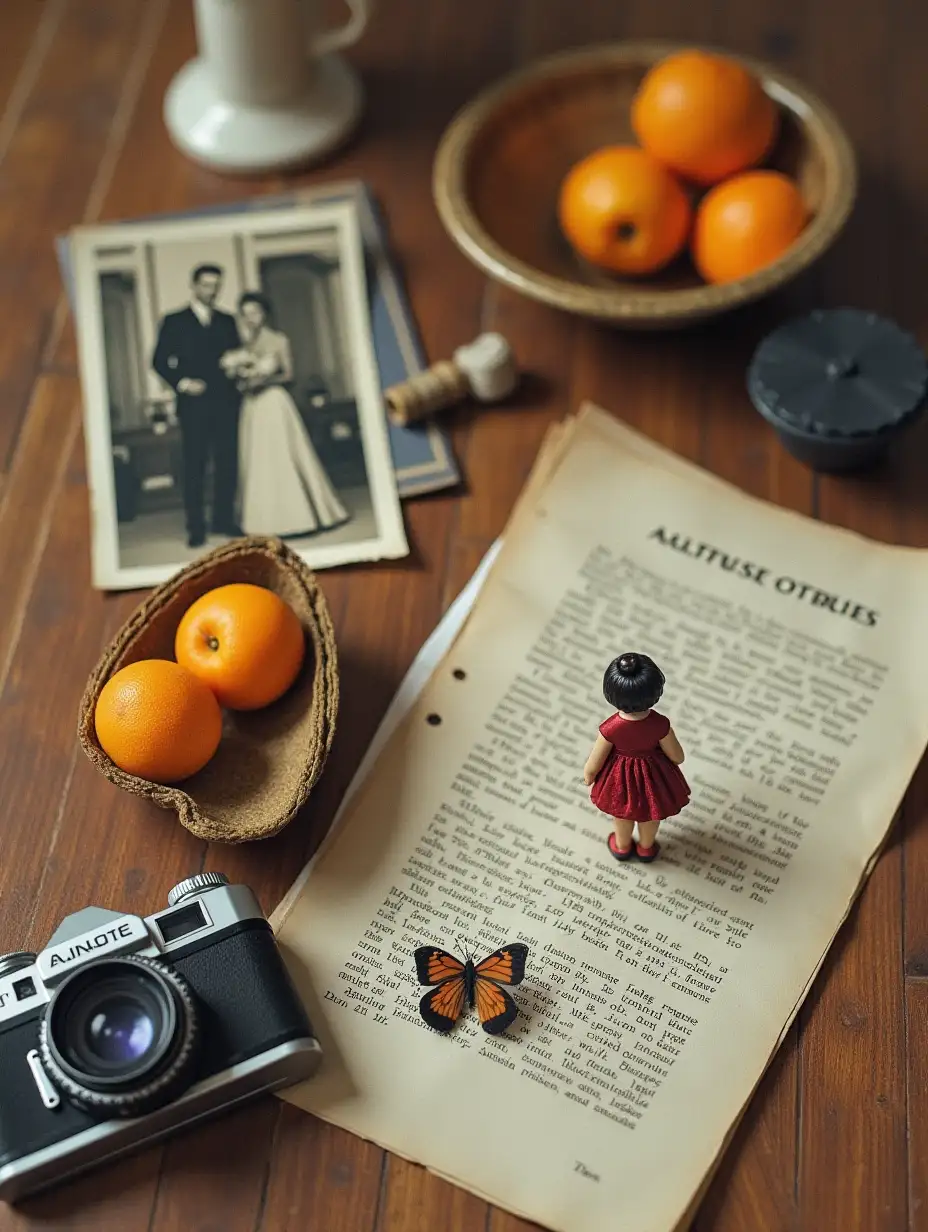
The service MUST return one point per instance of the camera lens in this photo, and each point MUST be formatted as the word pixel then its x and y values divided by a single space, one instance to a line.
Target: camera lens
pixel 118 1034
pixel 112 1025
pixel 120 1031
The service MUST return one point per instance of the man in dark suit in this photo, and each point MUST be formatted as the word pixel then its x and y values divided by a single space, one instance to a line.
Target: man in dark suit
pixel 190 344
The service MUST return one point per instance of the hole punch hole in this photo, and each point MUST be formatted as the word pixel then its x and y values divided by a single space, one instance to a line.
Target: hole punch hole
pixel 459 673
pixel 433 720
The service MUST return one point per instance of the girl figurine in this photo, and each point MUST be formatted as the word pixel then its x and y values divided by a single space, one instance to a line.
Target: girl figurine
pixel 634 764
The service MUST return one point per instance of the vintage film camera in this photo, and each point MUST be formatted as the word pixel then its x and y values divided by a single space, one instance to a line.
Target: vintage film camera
pixel 125 1029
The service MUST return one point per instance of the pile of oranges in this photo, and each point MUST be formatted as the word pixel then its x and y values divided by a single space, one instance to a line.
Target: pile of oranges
pixel 703 121
pixel 239 646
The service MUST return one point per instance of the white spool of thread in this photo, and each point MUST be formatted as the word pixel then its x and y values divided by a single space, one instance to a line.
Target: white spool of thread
pixel 490 367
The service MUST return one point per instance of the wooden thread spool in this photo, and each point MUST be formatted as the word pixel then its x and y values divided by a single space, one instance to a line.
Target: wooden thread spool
pixel 442 385
pixel 485 369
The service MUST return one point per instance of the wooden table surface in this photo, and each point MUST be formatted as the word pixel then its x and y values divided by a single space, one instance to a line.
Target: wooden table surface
pixel 837 1135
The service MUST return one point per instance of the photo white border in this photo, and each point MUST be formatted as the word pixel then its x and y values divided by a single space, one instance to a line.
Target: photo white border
pixel 390 543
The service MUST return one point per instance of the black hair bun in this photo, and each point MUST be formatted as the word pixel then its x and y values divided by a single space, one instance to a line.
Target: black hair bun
pixel 633 682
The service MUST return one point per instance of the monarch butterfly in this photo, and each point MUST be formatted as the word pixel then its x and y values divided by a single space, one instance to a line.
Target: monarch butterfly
pixel 478 984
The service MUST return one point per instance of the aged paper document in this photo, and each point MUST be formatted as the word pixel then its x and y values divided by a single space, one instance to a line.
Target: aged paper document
pixel 655 995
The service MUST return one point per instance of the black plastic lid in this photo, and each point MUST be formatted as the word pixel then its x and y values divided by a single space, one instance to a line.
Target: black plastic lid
pixel 838 372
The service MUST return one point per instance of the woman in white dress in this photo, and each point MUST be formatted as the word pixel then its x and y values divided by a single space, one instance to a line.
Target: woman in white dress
pixel 283 487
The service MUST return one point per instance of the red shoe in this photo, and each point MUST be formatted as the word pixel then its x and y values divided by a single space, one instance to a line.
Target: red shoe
pixel 647 854
pixel 617 851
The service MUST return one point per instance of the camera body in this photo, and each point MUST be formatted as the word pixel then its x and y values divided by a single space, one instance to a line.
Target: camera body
pixel 125 1029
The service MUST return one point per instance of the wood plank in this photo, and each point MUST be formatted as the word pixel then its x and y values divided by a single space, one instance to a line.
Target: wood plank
pixel 548 26
pixel 61 336
pixel 59 638
pixel 914 839
pixel 27 499
pixel 49 167
pixel 417 1201
pixel 904 178
pixel 122 1201
pixel 28 30
pixel 320 1177
pixel 907 188
pixel 214 1175
pixel 916 1015
pixel 140 172
pixel 754 1185
pixel 502 1221
pixel 853 1071
pixel 853 1042
pixel 142 851
pixel 906 185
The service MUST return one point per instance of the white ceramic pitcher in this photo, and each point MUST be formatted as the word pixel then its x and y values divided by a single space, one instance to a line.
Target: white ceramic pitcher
pixel 266 90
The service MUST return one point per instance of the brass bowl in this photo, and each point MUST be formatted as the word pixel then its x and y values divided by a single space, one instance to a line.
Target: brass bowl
pixel 268 760
pixel 501 162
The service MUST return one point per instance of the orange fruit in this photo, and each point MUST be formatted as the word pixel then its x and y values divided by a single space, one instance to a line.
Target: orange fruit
pixel 244 642
pixel 156 720
pixel 745 224
pixel 623 211
pixel 704 116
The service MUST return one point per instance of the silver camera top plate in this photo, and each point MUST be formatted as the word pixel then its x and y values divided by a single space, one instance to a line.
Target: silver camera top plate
pixel 94 933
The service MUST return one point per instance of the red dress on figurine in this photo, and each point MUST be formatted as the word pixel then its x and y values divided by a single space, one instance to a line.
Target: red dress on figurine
pixel 639 782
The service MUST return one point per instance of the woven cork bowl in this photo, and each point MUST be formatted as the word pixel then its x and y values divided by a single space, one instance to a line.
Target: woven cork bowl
pixel 501 162
pixel 268 759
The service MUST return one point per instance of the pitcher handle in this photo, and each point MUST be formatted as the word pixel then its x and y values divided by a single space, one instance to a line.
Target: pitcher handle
pixel 350 32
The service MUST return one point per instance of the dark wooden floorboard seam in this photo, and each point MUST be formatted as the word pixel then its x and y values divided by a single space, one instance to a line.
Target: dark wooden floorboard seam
pixel 154 1198
pixel 265 1185
pixel 381 1192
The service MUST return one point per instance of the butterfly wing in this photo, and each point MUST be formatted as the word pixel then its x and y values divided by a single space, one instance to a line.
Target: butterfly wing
pixel 441 1006
pixel 505 965
pixel 495 1006
pixel 434 966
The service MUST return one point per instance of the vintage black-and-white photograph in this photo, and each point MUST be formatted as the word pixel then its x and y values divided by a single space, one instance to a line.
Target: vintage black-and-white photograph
pixel 230 388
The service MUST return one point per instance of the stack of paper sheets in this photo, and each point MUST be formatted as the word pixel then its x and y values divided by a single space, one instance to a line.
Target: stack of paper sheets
pixel 655 995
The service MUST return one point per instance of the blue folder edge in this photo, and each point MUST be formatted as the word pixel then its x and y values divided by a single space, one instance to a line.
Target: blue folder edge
pixel 422 457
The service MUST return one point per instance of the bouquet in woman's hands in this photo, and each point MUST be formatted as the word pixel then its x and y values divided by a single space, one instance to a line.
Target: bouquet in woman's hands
pixel 248 370
pixel 236 363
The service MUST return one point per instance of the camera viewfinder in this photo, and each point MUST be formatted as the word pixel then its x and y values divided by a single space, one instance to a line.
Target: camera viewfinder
pixel 187 919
